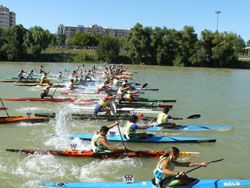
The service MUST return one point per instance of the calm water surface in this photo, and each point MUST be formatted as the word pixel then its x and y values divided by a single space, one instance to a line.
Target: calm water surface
pixel 221 96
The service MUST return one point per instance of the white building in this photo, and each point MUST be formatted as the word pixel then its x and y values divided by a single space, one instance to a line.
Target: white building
pixel 7 18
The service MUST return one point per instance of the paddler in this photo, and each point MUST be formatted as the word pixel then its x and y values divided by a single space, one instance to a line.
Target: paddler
pixel 45 92
pixel 71 85
pixel 100 144
pixel 31 74
pixel 131 128
pixel 44 79
pixel 103 87
pixel 121 91
pixel 21 75
pixel 166 176
pixel 104 104
pixel 164 117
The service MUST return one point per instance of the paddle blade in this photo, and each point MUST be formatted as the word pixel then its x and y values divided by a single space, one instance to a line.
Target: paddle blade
pixel 195 116
pixel 215 161
pixel 144 85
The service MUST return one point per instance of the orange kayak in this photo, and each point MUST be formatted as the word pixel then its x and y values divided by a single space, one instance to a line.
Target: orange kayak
pixel 16 119
pixel 89 153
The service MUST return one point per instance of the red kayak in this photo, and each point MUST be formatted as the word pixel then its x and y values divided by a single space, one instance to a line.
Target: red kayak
pixel 89 153
pixel 16 119
pixel 34 99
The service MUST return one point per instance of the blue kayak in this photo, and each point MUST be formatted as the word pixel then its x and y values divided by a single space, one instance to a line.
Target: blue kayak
pixel 154 139
pixel 191 128
pixel 203 183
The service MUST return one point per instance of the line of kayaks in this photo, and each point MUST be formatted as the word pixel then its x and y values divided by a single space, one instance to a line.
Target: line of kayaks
pixel 89 102
pixel 16 119
pixel 153 139
pixel 90 153
pixel 91 117
pixel 202 183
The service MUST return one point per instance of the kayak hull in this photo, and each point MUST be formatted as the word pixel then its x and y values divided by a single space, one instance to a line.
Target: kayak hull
pixel 33 99
pixel 89 153
pixel 17 119
pixel 191 128
pixel 120 117
pixel 203 183
pixel 153 139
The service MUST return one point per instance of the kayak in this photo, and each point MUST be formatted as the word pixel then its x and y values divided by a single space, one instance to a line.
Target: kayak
pixel 190 128
pixel 89 153
pixel 91 117
pixel 155 100
pixel 15 119
pixel 23 81
pixel 141 105
pixel 34 99
pixel 154 139
pixel 202 183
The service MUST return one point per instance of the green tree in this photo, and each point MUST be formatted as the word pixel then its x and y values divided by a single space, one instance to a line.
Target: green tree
pixel 38 39
pixel 14 45
pixel 139 44
pixel 60 35
pixel 108 49
pixel 248 43
pixel 186 46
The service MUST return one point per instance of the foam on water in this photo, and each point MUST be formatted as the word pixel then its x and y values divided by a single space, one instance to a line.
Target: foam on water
pixel 26 124
pixel 31 109
pixel 96 170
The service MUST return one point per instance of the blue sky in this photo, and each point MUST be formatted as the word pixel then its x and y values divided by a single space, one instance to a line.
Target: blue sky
pixel 125 14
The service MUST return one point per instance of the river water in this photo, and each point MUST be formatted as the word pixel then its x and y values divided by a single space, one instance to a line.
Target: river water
pixel 221 96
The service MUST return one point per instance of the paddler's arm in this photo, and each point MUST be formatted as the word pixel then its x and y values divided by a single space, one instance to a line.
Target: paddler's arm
pixel 166 171
pixel 105 143
pixel 176 118
pixel 190 164
pixel 145 126
pixel 113 124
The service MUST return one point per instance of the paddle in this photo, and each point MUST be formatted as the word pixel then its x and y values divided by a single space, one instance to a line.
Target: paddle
pixel 4 107
pixel 54 92
pixel 113 110
pixel 144 85
pixel 194 116
pixel 193 169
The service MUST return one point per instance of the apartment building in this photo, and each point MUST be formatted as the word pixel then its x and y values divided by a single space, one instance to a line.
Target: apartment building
pixel 70 31
pixel 7 18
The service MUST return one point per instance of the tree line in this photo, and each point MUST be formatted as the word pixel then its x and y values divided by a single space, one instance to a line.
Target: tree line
pixel 147 45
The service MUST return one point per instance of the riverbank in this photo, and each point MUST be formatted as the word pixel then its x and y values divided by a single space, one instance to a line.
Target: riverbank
pixel 90 56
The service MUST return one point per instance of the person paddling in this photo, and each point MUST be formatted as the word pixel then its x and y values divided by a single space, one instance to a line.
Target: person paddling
pixel 45 92
pixel 104 104
pixel 131 128
pixel 164 117
pixel 100 144
pixel 21 75
pixel 165 174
